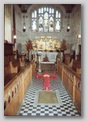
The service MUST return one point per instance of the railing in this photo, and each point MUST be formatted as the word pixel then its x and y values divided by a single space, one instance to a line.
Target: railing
pixel 72 82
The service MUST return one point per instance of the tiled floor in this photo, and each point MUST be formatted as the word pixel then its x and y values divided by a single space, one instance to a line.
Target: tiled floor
pixel 30 109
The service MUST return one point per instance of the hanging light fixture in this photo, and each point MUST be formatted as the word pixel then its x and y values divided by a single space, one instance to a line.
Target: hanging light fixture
pixel 68 27
pixel 24 27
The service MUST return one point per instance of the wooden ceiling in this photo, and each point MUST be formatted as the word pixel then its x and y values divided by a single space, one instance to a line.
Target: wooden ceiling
pixel 68 7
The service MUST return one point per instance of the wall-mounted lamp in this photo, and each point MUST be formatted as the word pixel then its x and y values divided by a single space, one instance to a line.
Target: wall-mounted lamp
pixel 15 37
pixel 68 28
pixel 79 36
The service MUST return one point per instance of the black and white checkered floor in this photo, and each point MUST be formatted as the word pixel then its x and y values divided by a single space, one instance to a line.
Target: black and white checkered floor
pixel 29 108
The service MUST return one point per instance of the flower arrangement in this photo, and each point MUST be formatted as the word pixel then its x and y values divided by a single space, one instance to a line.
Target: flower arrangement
pixel 29 45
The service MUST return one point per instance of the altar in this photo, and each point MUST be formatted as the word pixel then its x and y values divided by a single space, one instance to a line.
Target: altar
pixel 50 55
pixel 45 61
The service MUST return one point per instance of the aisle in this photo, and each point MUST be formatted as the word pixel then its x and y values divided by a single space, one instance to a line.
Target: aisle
pixel 30 108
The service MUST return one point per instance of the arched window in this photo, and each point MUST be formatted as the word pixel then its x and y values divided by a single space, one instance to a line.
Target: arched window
pixel 46 19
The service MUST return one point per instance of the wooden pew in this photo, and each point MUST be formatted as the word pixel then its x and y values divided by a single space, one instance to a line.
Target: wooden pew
pixel 13 69
pixel 78 71
pixel 9 72
pixel 77 93
pixel 15 90
pixel 72 83
pixel 15 62
pixel 21 62
pixel 76 64
pixel 70 64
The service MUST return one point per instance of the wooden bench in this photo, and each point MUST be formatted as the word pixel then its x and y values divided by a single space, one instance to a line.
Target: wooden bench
pixel 9 72
pixel 15 62
pixel 78 71
pixel 21 62
pixel 76 66
pixel 70 64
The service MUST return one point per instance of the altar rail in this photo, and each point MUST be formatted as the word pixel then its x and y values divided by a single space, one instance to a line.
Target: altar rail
pixel 72 82
pixel 15 90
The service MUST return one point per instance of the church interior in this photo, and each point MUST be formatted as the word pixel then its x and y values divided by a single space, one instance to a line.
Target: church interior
pixel 42 60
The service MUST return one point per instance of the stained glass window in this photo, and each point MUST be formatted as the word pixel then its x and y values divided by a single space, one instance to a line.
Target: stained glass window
pixel 46 19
